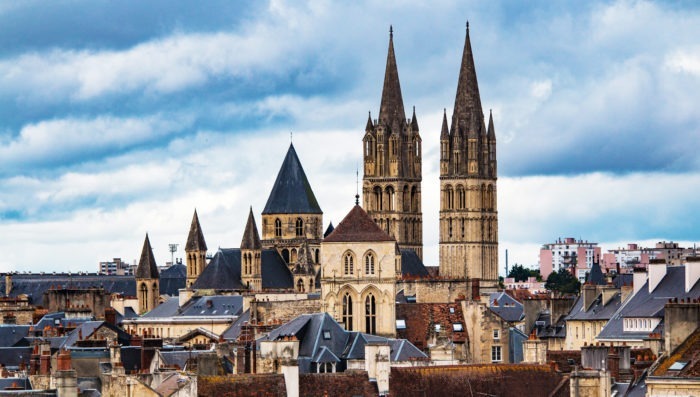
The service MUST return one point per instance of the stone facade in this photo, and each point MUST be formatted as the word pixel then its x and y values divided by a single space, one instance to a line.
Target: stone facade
pixel 391 186
pixel 287 232
pixel 93 299
pixel 435 290
pixel 468 205
pixel 488 334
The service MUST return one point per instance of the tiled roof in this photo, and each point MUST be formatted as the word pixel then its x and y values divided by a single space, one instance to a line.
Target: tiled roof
pixel 224 271
pixel 348 383
pixel 195 239
pixel 291 193
pixel 147 267
pixel 686 357
pixel 645 304
pixel 421 318
pixel 357 226
pixel 479 379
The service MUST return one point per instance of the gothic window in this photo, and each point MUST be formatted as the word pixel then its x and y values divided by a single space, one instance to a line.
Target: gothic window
pixel 369 263
pixel 278 227
pixel 449 197
pixel 368 147
pixel 378 198
pixel 299 227
pixel 417 146
pixel 391 197
pixel 293 254
pixel 370 315
pixel 348 263
pixel 316 256
pixel 300 285
pixel 461 198
pixel 347 311
pixel 144 297
pixel 311 285
pixel 414 199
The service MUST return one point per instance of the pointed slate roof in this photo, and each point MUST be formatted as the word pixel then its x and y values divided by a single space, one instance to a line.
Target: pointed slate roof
pixel 414 120
pixel 392 101
pixel 329 230
pixel 195 240
pixel 357 226
pixel 445 132
pixel 468 101
pixel 369 126
pixel 595 276
pixel 291 193
pixel 251 238
pixel 492 131
pixel 147 267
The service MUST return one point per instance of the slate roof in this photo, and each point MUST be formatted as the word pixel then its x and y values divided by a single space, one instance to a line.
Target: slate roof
pixel 147 267
pixel 251 238
pixel 595 276
pixel 322 338
pixel 468 100
pixel 357 226
pixel 88 328
pixel 329 230
pixel 411 265
pixel 506 307
pixel 645 304
pixel 11 357
pixel 391 107
pixel 597 311
pixel 234 331
pixel 173 359
pixel 224 271
pixel 195 239
pixel 12 335
pixel 168 308
pixel 291 193
pixel 34 285
pixel 216 305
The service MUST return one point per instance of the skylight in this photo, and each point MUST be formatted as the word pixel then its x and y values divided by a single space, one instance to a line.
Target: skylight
pixel 678 365
pixel 400 324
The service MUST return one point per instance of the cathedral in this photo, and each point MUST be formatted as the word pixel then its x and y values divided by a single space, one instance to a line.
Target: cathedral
pixel 375 253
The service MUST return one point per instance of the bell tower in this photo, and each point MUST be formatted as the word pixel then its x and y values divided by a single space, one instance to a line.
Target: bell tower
pixel 468 208
pixel 391 184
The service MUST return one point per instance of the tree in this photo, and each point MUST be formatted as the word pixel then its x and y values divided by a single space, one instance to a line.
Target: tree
pixel 521 273
pixel 563 281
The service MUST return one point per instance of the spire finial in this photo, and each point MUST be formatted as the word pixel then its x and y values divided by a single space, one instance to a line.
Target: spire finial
pixel 290 137
pixel 467 25
pixel 391 31
pixel 357 184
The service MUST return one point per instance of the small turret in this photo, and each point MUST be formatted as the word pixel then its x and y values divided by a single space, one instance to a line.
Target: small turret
pixel 147 279
pixel 251 255
pixel 195 250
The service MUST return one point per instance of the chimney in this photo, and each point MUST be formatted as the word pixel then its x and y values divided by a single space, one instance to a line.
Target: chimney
pixel 110 316
pixel 639 278
pixel 66 379
pixel 8 284
pixel 680 320
pixel 476 293
pixel 692 272
pixel 290 370
pixel 589 292
pixel 657 271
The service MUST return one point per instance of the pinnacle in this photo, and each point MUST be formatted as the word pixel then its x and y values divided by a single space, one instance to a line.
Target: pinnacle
pixel 251 238
pixel 392 100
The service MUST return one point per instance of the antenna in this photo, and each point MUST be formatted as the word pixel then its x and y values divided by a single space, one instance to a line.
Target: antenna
pixel 173 249
pixel 357 184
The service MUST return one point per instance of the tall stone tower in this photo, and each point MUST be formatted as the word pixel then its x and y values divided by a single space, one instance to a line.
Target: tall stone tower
pixel 391 185
pixel 147 279
pixel 196 251
pixel 251 255
pixel 292 215
pixel 468 209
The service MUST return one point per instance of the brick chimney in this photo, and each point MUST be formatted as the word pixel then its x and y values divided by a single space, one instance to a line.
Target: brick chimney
pixel 110 316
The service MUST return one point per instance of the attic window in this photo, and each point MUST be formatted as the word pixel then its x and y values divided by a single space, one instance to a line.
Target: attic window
pixel 400 324
pixel 457 327
pixel 678 365
pixel 452 310
pixel 326 334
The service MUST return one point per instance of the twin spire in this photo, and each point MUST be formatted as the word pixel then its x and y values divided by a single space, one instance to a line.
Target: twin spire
pixel 391 107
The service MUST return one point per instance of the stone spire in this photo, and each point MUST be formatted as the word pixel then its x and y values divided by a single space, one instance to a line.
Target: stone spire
pixel 369 126
pixel 195 240
pixel 467 112
pixel 414 121
pixel 392 102
pixel 251 238
pixel 147 268
pixel 445 132
pixel 491 130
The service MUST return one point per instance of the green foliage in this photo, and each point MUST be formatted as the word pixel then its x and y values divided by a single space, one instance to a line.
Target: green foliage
pixel 521 273
pixel 563 281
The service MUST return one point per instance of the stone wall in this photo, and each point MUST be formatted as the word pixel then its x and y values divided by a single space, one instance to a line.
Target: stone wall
pixel 481 323
pixel 60 300
pixel 435 290
pixel 283 311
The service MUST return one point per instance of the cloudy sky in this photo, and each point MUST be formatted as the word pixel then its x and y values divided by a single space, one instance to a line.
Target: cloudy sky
pixel 120 118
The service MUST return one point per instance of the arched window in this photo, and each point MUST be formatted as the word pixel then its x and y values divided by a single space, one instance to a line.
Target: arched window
pixel 406 199
pixel 378 198
pixel 347 311
pixel 285 255
pixel 348 262
pixel 300 285
pixel 370 314
pixel 449 197
pixel 461 198
pixel 144 298
pixel 449 228
pixel 293 255
pixel 414 199
pixel 391 197
pixel 316 256
pixel 300 227
pixel 369 263
pixel 278 227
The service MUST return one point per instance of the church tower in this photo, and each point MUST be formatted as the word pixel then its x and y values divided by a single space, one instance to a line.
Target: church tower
pixel 196 251
pixel 251 255
pixel 147 279
pixel 391 185
pixel 468 210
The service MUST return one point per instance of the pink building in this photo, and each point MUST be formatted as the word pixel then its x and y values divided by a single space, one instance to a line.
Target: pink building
pixel 572 254
pixel 636 256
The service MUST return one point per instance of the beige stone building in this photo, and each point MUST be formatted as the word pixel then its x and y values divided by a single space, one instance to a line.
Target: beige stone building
pixel 361 264
pixel 392 165
pixel 468 205
pixel 147 279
